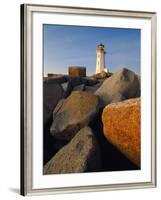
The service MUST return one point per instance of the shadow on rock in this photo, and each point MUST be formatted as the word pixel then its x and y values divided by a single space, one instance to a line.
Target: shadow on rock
pixel 112 158
pixel 50 145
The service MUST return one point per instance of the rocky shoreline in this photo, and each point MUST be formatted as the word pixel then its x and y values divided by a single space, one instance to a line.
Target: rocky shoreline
pixel 89 125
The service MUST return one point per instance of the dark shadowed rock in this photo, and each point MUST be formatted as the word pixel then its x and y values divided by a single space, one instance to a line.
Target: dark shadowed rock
pixel 74 81
pixel 79 87
pixel 50 145
pixel 112 158
pixel 76 112
pixel 98 85
pixel 51 95
pixel 90 89
pixel 94 87
pixel 89 81
pixel 81 154
pixel 67 87
pixel 55 79
pixel 124 84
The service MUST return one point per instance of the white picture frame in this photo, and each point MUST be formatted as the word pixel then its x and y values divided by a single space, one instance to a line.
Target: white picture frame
pixel 33 182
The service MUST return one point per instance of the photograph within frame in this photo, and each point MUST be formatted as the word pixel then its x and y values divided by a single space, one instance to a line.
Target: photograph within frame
pixel 77 46
pixel 28 163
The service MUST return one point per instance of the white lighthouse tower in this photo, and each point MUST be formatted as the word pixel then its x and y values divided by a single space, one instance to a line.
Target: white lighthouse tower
pixel 100 58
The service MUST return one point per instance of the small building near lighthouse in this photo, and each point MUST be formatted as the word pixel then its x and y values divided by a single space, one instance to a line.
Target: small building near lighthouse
pixel 100 58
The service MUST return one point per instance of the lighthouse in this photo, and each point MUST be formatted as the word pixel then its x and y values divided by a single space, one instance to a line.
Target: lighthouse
pixel 100 58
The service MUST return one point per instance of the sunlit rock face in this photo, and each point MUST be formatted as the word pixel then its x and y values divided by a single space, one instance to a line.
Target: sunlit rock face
pixel 75 113
pixel 123 84
pixel 122 127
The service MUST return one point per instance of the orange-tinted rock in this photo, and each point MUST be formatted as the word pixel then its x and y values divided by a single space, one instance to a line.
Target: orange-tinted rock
pixel 121 126
pixel 102 74
pixel 77 71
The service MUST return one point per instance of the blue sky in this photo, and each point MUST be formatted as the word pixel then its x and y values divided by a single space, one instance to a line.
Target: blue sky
pixel 76 45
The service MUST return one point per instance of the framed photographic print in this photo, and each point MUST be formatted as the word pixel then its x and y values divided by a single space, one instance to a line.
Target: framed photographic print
pixel 88 99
